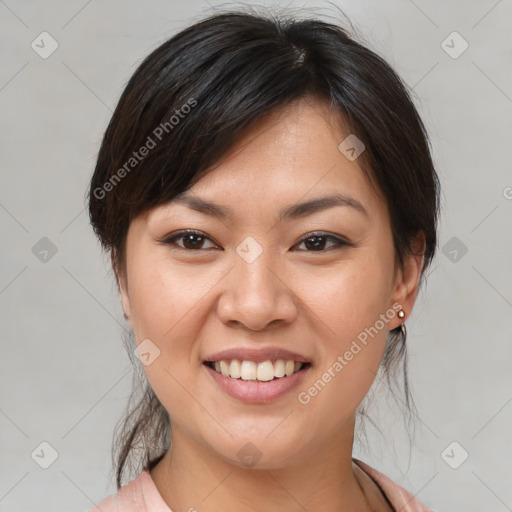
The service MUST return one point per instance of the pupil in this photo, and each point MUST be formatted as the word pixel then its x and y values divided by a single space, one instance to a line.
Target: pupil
pixel 316 244
pixel 189 239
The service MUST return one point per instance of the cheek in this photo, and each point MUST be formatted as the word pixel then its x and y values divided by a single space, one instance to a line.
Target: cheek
pixel 169 304
pixel 352 313
pixel 165 303
pixel 165 296
pixel 349 297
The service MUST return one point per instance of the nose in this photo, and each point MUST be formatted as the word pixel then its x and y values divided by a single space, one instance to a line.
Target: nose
pixel 256 295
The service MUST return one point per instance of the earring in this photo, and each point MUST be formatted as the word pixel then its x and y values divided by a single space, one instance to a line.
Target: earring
pixel 125 316
pixel 401 314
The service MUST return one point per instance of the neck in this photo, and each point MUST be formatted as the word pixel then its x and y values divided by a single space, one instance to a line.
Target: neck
pixel 193 476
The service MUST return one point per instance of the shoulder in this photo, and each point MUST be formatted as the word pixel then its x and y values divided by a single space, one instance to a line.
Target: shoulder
pixel 400 498
pixel 139 495
pixel 129 498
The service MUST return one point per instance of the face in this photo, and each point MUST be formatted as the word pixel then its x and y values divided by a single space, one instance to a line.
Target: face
pixel 263 279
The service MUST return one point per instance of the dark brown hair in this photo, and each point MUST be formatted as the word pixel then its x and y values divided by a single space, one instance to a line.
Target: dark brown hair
pixel 193 97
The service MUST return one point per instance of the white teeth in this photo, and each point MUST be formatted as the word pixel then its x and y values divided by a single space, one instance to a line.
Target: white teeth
pixel 248 370
pixel 235 369
pixel 263 371
pixel 224 368
pixel 279 368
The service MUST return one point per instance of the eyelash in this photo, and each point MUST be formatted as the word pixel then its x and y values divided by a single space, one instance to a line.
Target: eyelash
pixel 170 240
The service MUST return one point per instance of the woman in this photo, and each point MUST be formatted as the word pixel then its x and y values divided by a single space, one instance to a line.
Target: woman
pixel 267 194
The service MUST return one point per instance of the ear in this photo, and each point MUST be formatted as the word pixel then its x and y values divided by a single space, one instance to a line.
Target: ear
pixel 407 279
pixel 122 286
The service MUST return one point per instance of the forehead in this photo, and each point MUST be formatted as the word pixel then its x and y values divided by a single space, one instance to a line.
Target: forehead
pixel 290 155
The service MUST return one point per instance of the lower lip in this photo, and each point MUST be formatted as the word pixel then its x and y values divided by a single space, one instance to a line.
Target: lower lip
pixel 255 392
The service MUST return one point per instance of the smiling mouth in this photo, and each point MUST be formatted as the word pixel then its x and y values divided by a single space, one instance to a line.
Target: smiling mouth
pixel 262 371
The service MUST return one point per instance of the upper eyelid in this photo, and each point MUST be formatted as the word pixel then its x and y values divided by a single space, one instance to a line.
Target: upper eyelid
pixel 182 233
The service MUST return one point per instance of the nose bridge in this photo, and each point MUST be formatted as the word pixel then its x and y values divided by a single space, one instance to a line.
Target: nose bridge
pixel 256 296
pixel 256 277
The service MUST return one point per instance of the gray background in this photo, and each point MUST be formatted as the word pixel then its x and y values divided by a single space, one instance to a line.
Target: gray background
pixel 64 374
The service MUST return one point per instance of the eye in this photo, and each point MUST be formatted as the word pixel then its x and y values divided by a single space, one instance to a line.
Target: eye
pixel 316 242
pixel 192 240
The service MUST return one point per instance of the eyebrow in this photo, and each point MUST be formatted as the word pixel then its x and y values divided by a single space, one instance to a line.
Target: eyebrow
pixel 288 213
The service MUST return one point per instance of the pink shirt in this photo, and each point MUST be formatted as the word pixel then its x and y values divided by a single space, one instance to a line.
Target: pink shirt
pixel 141 495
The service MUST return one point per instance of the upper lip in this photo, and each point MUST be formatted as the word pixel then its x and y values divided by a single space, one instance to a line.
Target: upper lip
pixel 257 355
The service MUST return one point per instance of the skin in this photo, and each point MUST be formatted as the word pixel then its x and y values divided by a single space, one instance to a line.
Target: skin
pixel 193 302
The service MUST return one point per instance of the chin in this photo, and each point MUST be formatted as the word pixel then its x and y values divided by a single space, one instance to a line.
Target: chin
pixel 258 451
